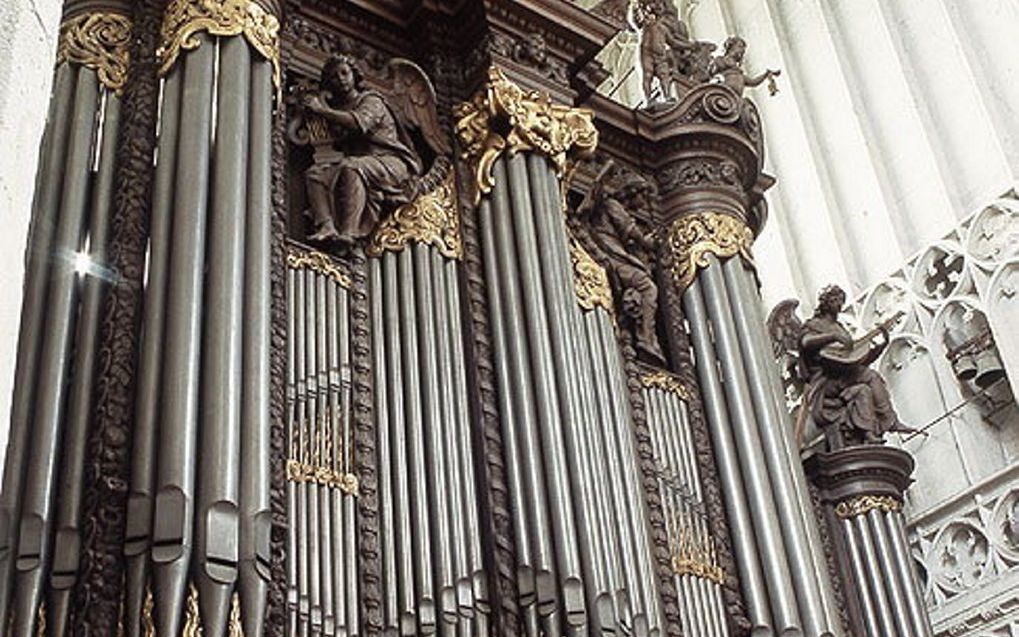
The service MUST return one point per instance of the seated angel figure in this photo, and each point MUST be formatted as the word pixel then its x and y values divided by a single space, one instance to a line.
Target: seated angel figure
pixel 373 163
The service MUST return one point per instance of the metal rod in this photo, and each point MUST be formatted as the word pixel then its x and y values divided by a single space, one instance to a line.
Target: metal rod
pixel 736 503
pixel 45 212
pixel 255 523
pixel 47 420
pixel 874 576
pixel 325 331
pixel 893 583
pixel 97 279
pixel 312 446
pixel 336 332
pixel 859 566
pixel 351 585
pixel 914 596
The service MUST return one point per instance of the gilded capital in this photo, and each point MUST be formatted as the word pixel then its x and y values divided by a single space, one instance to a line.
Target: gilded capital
pixel 432 218
pixel 502 116
pixel 861 505
pixel 692 237
pixel 590 281
pixel 184 19
pixel 100 41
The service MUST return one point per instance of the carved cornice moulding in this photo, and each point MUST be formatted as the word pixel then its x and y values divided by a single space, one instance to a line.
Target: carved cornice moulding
pixel 859 472
pixel 184 19
pixel 432 219
pixel 692 237
pixel 503 117
pixel 101 41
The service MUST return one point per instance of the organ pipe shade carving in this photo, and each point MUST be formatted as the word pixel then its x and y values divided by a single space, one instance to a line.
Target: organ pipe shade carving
pixel 666 382
pixel 432 218
pixel 693 237
pixel 184 19
pixel 860 505
pixel 589 280
pixel 534 123
pixel 313 260
pixel 100 41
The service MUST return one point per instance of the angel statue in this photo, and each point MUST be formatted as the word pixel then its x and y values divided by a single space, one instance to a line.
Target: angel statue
pixel 846 399
pixel 365 159
pixel 626 248
pixel 728 67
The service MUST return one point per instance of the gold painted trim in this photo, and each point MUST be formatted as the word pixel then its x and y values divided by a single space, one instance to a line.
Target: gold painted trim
pixel 302 472
pixel 693 237
pixel 695 556
pixel 860 505
pixel 319 262
pixel 666 382
pixel 590 282
pixel 184 19
pixel 148 606
pixel 100 41
pixel 235 627
pixel 192 616
pixel 502 116
pixel 432 218
pixel 41 624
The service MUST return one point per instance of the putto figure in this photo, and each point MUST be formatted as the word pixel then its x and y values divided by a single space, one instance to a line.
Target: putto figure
pixel 365 161
pixel 729 67
pixel 846 399
pixel 667 53
pixel 626 249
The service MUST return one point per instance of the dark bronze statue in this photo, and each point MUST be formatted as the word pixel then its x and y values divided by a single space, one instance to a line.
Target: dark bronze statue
pixel 667 53
pixel 729 67
pixel 846 399
pixel 626 250
pixel 365 159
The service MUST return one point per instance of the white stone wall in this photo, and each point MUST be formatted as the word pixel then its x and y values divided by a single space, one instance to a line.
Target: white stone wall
pixel 28 36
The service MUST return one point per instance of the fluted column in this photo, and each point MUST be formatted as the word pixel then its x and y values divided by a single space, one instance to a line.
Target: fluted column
pixel 66 280
pixel 861 491
pixel 705 256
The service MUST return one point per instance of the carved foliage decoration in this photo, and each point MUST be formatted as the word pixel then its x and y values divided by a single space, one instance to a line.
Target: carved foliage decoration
pixel 860 505
pixel 431 218
pixel 502 116
pixel 100 41
pixel 693 237
pixel 666 382
pixel 185 19
pixel 589 279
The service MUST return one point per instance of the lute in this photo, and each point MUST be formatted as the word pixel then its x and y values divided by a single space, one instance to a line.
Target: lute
pixel 854 355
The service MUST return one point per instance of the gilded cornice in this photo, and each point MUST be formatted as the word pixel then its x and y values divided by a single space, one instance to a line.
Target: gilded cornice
pixel 590 282
pixel 503 117
pixel 862 504
pixel 666 382
pixel 100 41
pixel 432 218
pixel 694 236
pixel 184 19
pixel 312 260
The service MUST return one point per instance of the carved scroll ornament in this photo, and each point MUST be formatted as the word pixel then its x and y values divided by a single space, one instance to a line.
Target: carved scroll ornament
pixel 431 218
pixel 861 505
pixel 693 237
pixel 100 41
pixel 666 382
pixel 502 116
pixel 589 280
pixel 314 260
pixel 184 19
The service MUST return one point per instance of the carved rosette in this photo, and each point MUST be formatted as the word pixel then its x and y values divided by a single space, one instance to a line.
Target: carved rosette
pixel 861 505
pixel 693 237
pixel 432 218
pixel 502 116
pixel 100 41
pixel 666 382
pixel 590 281
pixel 184 19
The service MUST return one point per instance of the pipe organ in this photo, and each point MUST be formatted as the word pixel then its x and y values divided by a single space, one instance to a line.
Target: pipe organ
pixel 369 335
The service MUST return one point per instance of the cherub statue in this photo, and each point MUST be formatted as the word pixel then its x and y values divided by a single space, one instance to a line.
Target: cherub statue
pixel 627 248
pixel 729 67
pixel 846 399
pixel 366 161
pixel 667 53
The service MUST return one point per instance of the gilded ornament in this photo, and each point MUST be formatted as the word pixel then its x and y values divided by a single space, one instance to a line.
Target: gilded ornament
pixel 306 472
pixel 431 218
pixel 319 262
pixel 590 281
pixel 693 237
pixel 192 617
pixel 692 555
pixel 100 41
pixel 666 382
pixel 862 504
pixel 235 628
pixel 41 625
pixel 148 623
pixel 502 116
pixel 185 19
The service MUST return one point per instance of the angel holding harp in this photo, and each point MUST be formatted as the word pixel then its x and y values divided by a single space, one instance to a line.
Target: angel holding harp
pixel 372 162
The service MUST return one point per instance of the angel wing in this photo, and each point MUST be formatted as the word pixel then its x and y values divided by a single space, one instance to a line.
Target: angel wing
pixel 413 100
pixel 785 327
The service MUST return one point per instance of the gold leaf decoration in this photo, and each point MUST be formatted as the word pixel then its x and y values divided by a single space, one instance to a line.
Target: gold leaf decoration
pixel 693 237
pixel 666 382
pixel 235 628
pixel 148 623
pixel 862 504
pixel 502 116
pixel 100 41
pixel 319 262
pixel 693 553
pixel 589 279
pixel 432 218
pixel 192 617
pixel 184 19
pixel 41 625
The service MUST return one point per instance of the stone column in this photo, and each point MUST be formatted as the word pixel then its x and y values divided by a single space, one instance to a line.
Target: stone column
pixel 712 206
pixel 861 490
